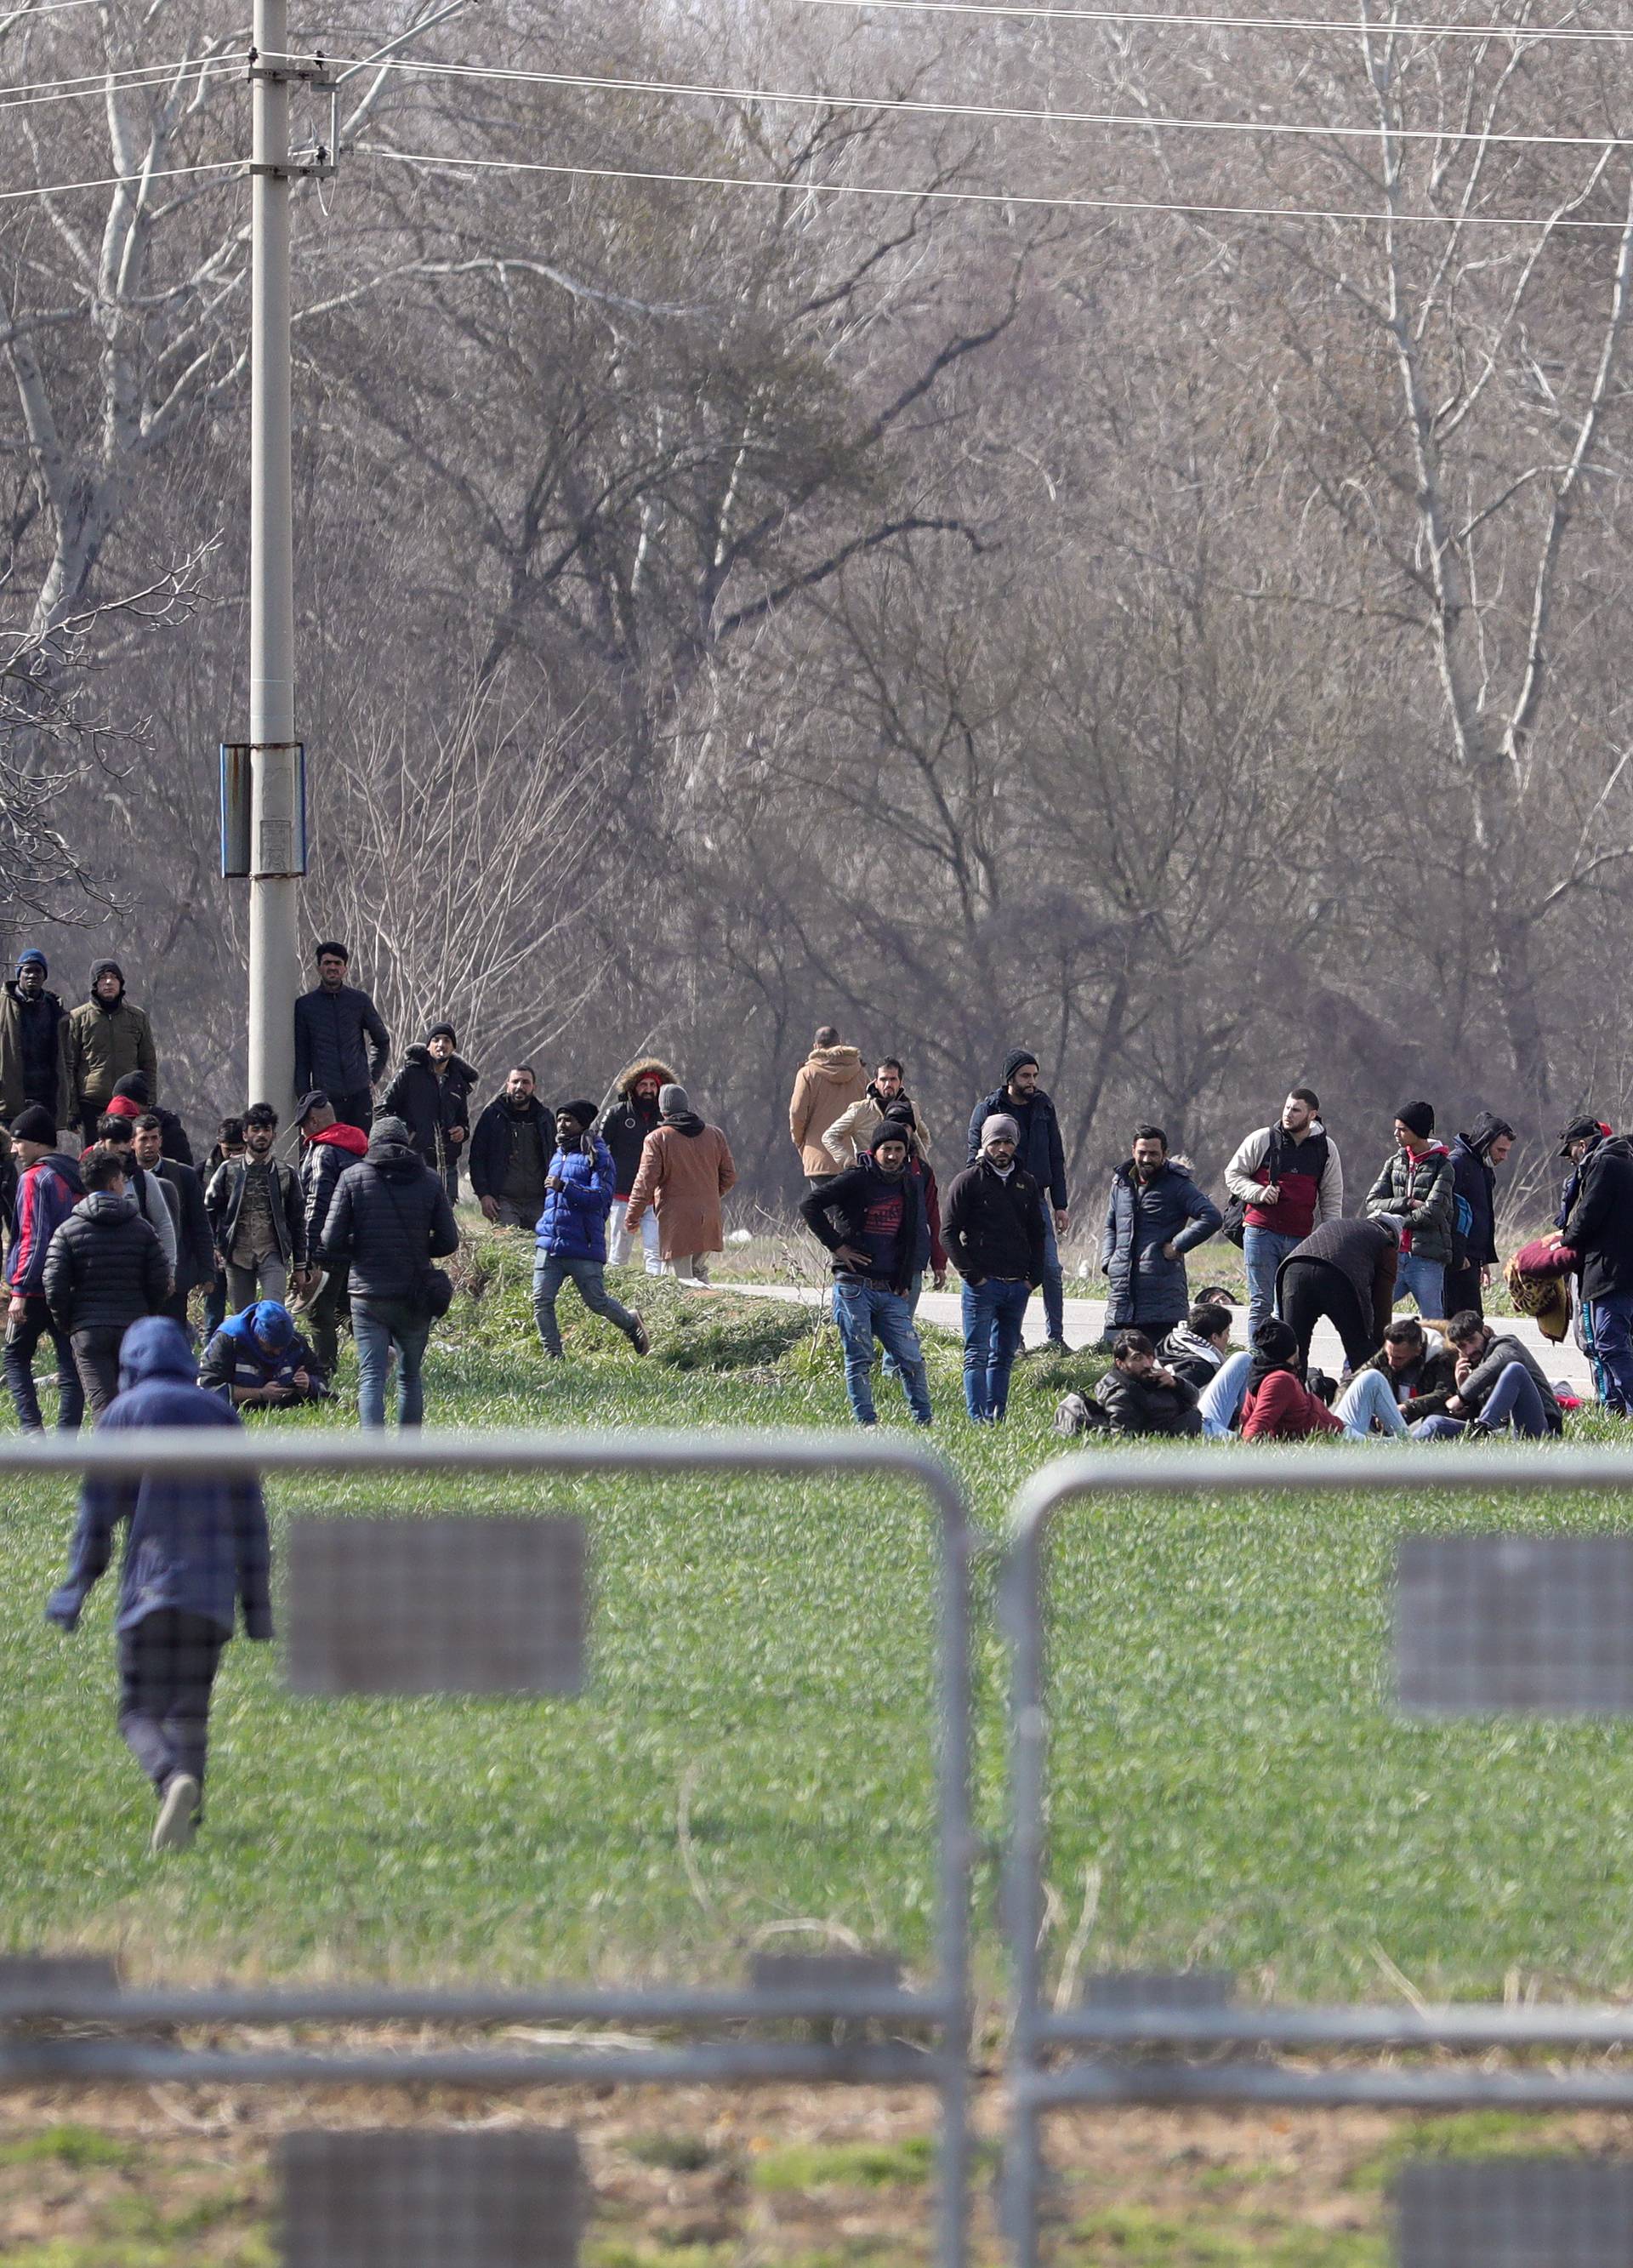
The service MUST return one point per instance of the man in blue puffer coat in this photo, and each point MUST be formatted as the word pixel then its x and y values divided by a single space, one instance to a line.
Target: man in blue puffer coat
pixel 1155 1214
pixel 572 1231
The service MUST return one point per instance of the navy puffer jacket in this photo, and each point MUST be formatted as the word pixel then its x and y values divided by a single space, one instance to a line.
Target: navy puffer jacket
pixel 573 1223
pixel 1147 1286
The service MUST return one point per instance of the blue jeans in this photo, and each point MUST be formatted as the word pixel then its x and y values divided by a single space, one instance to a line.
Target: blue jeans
pixel 865 1312
pixel 378 1326
pixel 916 1292
pixel 550 1271
pixel 1513 1401
pixel 1604 1327
pixel 1222 1396
pixel 993 1313
pixel 1423 1280
pixel 1264 1249
pixel 1054 1277
pixel 1368 1398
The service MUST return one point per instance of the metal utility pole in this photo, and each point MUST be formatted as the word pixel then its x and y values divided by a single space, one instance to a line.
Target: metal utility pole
pixel 277 830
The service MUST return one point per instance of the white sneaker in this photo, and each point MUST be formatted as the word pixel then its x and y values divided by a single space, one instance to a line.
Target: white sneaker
pixel 178 1814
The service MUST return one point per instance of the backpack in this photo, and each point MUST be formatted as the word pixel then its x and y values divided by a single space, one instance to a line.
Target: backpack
pixel 1234 1222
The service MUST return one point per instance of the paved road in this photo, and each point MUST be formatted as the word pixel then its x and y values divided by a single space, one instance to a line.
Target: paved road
pixel 1086 1322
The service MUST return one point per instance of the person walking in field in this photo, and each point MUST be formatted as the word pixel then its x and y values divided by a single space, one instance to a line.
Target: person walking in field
pixel 572 1232
pixel 195 1551
pixel 47 1190
pixel 1290 1179
pixel 994 1227
pixel 327 1146
pixel 154 1203
pixel 1475 1157
pixel 341 1046
pixel 1599 1229
pixel 105 1270
pixel 1415 1189
pixel 108 1036
pixel 195 1243
pixel 686 1170
pixel 388 1220
pixel 871 1219
pixel 829 1081
pixel 229 1143
pixel 627 1120
pixel 1039 1153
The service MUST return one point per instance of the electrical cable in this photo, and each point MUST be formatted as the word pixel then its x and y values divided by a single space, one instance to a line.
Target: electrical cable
pixel 1121 119
pixel 124 181
pixel 980 197
pixel 1352 28
pixel 96 82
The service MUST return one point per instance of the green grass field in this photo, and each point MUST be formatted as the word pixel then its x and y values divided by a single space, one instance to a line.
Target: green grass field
pixel 752 1764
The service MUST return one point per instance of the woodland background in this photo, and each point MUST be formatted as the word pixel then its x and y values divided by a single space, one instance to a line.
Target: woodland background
pixel 1191 644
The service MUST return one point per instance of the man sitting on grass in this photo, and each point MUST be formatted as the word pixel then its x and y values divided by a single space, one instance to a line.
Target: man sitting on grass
pixel 1499 1382
pixel 1278 1406
pixel 1140 1396
pixel 259 1360
pixel 1195 1348
pixel 195 1548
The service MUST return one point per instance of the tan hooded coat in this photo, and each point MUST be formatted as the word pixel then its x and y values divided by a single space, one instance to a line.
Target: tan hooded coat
pixel 829 1081
pixel 683 1177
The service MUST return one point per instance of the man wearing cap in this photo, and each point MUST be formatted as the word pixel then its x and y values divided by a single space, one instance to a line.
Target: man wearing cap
pixel 259 1360
pixel 327 1146
pixel 871 1218
pixel 993 1223
pixel 431 1094
pixel 572 1235
pixel 47 1190
pixel 685 1171
pixel 1418 1188
pixel 1599 1229
pixel 341 1044
pixel 1039 1153
pixel 33 1044
pixel 107 1038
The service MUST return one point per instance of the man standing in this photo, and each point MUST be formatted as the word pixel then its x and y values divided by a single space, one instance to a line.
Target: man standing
pixel 46 1193
pixel 629 1118
pixel 340 1045
pixel 994 1227
pixel 1039 1153
pixel 389 1220
pixel 107 1037
pixel 1475 1160
pixel 1414 1188
pixel 511 1153
pixel 195 1245
pixel 572 1232
pixel 853 1131
pixel 328 1147
pixel 256 1215
pixel 1599 1230
pixel 686 1170
pixel 105 1270
pixel 870 1218
pixel 33 1044
pixel 829 1081
pixel 1156 1215
pixel 431 1094
pixel 193 1550
pixel 156 1205
pixel 1290 1178
pixel 1344 1272
pixel 131 1096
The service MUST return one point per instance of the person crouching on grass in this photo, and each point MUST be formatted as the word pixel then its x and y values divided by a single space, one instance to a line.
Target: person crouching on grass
pixel 193 1551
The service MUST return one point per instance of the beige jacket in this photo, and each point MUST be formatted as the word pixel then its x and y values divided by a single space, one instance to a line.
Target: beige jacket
pixel 829 1081
pixel 853 1131
pixel 683 1176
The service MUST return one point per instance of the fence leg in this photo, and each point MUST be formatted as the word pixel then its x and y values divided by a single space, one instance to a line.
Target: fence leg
pixel 1023 2174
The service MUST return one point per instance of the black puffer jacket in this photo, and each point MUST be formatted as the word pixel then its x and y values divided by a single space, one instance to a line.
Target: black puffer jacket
pixel 106 1268
pixel 389 1219
pixel 429 1106
pixel 1140 1405
pixel 340 1043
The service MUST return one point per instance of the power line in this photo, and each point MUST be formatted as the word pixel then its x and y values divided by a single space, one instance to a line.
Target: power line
pixel 95 82
pixel 49 7
pixel 979 197
pixel 1013 112
pixel 161 75
pixel 1350 28
pixel 123 180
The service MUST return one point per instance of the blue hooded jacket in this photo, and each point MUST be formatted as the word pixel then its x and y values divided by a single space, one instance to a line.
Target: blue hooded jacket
pixel 196 1546
pixel 258 1347
pixel 573 1223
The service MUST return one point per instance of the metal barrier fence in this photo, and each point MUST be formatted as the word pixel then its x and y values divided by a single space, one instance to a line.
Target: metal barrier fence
pixel 1482 1624
pixel 828 1988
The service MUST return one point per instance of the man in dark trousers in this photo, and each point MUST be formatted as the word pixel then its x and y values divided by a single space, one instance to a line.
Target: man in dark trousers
pixel 871 1218
pixel 47 1190
pixel 33 1044
pixel 993 1224
pixel 1599 1231
pixel 1475 1157
pixel 256 1216
pixel 196 1247
pixel 195 1550
pixel 431 1094
pixel 1040 1153
pixel 1155 1215
pixel 1343 1272
pixel 389 1219
pixel 327 1146
pixel 511 1152
pixel 341 1044
pixel 106 1269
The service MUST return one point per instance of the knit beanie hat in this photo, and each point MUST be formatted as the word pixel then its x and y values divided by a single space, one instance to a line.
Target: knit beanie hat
pixel 894 1126
pixel 1418 1118
pixel 31 954
pixel 33 1123
pixel 273 1324
pixel 443 1032
pixel 101 969
pixel 1000 1125
pixel 674 1102
pixel 135 1086
pixel 1014 1061
pixel 583 1112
